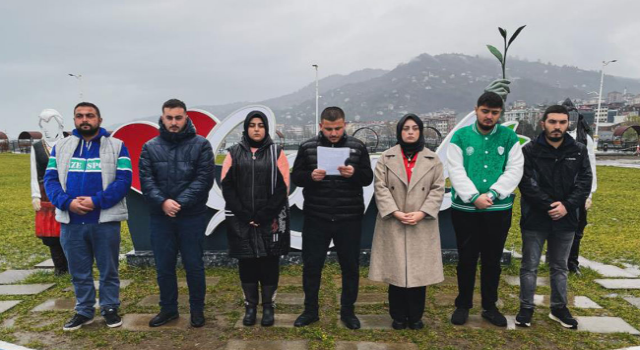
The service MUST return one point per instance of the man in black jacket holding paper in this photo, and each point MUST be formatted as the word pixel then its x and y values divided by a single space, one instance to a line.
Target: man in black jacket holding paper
pixel 333 209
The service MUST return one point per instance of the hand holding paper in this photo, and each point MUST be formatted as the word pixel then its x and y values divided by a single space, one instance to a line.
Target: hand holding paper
pixel 330 159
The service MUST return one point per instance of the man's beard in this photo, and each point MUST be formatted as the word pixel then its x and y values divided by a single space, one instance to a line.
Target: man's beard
pixel 485 127
pixel 554 138
pixel 87 132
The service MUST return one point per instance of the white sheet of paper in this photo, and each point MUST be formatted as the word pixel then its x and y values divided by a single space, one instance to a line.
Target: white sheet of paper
pixel 330 158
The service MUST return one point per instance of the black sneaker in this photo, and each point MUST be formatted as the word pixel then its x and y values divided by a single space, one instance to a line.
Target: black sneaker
pixel 494 317
pixel 112 318
pixel 563 316
pixel 460 316
pixel 76 322
pixel 523 319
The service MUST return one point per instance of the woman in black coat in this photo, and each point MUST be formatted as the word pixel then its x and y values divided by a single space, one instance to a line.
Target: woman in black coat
pixel 255 177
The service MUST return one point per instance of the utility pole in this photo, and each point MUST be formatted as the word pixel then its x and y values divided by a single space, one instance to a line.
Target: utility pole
pixel 317 97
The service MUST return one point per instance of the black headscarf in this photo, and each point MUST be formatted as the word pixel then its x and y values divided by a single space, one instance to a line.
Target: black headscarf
pixel 409 149
pixel 245 136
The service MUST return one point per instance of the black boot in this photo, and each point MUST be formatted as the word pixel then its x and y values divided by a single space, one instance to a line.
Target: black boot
pixel 250 291
pixel 268 305
pixel 60 263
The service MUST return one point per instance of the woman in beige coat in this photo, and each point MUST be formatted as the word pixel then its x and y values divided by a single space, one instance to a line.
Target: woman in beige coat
pixel 409 187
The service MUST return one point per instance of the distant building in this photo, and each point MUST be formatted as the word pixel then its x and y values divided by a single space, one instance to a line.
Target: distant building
pixel 605 116
pixel 519 104
pixel 601 115
pixel 615 96
pixel 296 132
pixel 524 114
pixel 309 130
pixel 443 123
pixel 628 98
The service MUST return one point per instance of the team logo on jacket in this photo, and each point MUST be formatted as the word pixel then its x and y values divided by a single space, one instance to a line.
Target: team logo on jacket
pixel 500 150
pixel 470 150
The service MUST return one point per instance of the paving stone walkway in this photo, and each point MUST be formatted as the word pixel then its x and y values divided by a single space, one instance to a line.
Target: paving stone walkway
pixel 47 264
pixel 267 345
pixel 515 281
pixel 9 346
pixel 604 324
pixel 140 323
pixel 62 304
pixel 370 298
pixel 580 302
pixel 211 281
pixel 8 304
pixel 373 293
pixel 448 299
pixel 14 276
pixel 619 283
pixel 123 284
pixel 292 281
pixel 282 320
pixel 633 301
pixel 372 322
pixel 290 298
pixel 24 289
pixel 607 270
pixel 364 282
pixel 153 300
pixel 362 345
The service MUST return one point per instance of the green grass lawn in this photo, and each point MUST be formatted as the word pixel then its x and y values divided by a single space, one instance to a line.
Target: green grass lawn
pixel 611 237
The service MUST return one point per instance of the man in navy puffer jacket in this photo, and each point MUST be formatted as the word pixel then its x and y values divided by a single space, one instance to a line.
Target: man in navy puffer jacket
pixel 176 174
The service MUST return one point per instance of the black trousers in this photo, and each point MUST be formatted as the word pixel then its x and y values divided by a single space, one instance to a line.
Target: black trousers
pixel 575 247
pixel 406 304
pixel 316 236
pixel 265 270
pixel 480 234
pixel 57 254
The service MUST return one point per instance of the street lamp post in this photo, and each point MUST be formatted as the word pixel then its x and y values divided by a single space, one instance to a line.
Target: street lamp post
pixel 317 96
pixel 79 77
pixel 597 119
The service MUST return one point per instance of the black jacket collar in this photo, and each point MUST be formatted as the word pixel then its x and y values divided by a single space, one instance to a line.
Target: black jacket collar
pixel 567 142
pixel 323 141
pixel 188 132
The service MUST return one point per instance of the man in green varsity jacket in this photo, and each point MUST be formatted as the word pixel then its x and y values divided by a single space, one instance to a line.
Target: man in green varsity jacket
pixel 485 166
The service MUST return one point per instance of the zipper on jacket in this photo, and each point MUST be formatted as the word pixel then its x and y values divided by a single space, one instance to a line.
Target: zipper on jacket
pixel 253 204
pixel 175 164
pixel 84 173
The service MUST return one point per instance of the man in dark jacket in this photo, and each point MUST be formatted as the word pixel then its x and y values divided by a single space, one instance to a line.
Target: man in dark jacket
pixel 333 209
pixel 176 174
pixel 555 185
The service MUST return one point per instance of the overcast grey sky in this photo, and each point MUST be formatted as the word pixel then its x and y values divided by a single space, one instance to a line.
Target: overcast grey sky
pixel 134 55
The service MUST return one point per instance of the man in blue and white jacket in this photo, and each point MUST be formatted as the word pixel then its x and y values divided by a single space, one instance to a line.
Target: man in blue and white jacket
pixel 87 179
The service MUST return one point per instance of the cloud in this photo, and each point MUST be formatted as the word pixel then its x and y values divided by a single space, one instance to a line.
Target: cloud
pixel 134 55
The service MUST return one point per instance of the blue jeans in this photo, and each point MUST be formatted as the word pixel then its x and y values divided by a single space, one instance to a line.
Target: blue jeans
pixel 558 247
pixel 81 244
pixel 168 237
